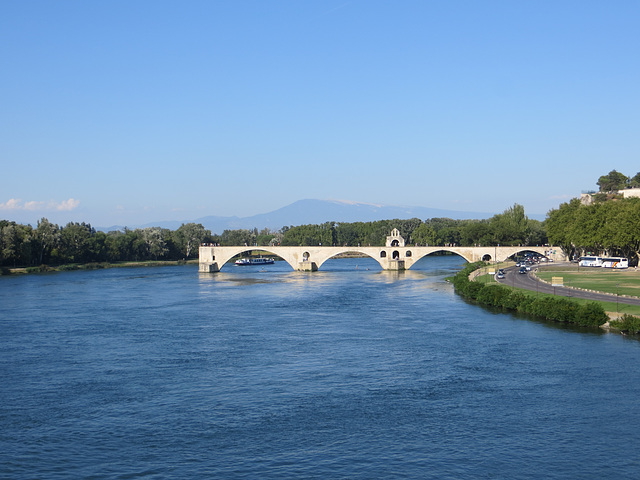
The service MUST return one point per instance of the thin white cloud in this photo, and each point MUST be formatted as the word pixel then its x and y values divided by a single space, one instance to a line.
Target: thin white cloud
pixel 67 205
pixel 34 205
pixel 11 204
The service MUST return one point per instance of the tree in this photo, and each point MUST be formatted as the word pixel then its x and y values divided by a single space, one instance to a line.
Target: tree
pixel 424 234
pixel 511 227
pixel 154 238
pixel 624 223
pixel 189 236
pixel 476 232
pixel 560 224
pixel 15 245
pixel 612 181
pixel 74 242
pixel 237 237
pixel 266 237
pixel 47 236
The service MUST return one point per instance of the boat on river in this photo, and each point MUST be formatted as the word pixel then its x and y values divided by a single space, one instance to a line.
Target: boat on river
pixel 254 261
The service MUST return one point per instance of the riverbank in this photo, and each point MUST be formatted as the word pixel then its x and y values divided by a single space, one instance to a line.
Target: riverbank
pixel 550 307
pixel 618 284
pixel 92 266
pixel 595 285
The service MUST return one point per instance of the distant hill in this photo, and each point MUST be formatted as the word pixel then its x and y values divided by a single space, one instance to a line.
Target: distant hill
pixel 304 212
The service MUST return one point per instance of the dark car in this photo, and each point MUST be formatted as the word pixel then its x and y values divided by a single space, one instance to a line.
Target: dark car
pixel 522 270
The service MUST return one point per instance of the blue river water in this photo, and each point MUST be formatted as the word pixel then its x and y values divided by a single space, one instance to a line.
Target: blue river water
pixel 265 373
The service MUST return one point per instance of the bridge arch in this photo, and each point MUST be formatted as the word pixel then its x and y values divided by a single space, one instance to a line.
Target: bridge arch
pixel 224 255
pixel 420 254
pixel 349 250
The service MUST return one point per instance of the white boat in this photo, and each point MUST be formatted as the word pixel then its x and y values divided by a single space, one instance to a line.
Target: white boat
pixel 254 261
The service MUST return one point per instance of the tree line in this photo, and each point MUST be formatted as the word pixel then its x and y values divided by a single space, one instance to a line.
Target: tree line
pixel 609 227
pixel 614 181
pixel 50 244
pixel 512 227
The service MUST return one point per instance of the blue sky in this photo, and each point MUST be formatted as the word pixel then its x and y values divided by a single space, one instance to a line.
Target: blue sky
pixel 128 112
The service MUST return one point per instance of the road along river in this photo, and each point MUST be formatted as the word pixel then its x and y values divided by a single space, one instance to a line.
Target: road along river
pixel 530 281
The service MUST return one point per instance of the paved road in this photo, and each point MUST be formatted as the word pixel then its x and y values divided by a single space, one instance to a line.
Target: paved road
pixel 529 281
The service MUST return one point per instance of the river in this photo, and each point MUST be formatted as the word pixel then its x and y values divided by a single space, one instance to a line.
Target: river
pixel 265 373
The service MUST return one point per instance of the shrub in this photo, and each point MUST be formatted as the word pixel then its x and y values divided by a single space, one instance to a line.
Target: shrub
pixel 68 268
pixel 557 309
pixel 41 268
pixel 493 295
pixel 627 323
pixel 592 314
pixel 93 266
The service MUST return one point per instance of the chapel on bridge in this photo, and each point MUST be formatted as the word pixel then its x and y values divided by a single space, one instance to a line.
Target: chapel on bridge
pixel 395 240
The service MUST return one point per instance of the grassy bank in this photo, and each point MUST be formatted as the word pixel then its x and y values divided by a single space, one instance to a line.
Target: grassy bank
pixel 620 282
pixel 549 307
pixel 612 308
pixel 624 318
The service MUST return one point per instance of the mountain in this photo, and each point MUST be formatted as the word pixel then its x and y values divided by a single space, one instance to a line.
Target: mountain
pixel 304 212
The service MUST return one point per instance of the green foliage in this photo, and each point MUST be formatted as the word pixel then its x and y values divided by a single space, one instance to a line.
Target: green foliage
pixel 189 236
pixel 79 245
pixel 613 181
pixel 509 228
pixel 627 323
pixel 612 227
pixel 557 309
pixel 38 269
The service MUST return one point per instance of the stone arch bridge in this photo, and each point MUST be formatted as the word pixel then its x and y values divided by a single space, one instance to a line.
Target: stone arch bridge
pixel 394 257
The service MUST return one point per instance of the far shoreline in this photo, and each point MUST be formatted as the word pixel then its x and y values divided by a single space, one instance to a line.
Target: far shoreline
pixel 13 271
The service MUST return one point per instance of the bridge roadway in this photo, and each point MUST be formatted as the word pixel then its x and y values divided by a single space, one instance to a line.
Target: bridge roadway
pixel 213 258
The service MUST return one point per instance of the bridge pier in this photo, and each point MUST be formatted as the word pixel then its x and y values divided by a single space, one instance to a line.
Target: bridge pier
pixel 307 266
pixel 208 267
pixel 395 265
